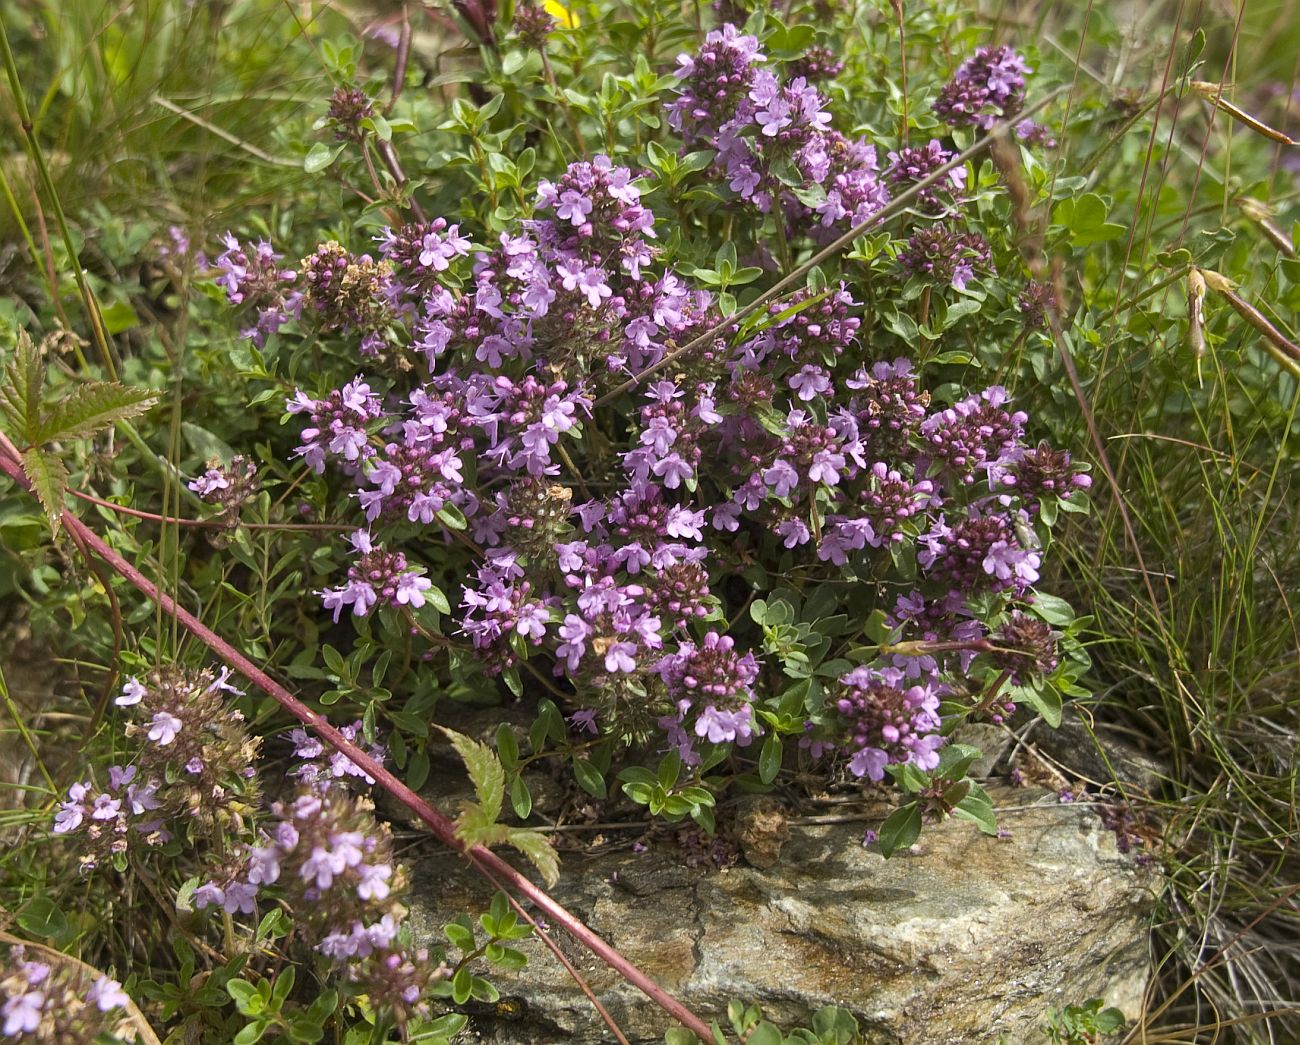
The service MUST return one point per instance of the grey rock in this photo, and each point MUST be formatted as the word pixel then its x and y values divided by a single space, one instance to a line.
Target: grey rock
pixel 1074 746
pixel 965 938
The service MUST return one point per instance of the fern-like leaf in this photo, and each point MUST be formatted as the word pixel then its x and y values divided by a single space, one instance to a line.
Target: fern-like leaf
pixel 475 827
pixel 49 478
pixel 92 408
pixel 485 771
pixel 20 395
pixel 539 852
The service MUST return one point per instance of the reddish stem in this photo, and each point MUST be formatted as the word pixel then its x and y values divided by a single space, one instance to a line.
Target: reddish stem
pixel 483 860
pixel 211 524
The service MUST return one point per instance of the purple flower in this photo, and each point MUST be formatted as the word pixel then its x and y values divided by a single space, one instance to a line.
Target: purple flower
pixel 810 382
pixel 132 693
pixel 22 1013
pixel 986 87
pixel 105 807
pixel 106 994
pixel 883 723
pixel 163 728
pixel 584 720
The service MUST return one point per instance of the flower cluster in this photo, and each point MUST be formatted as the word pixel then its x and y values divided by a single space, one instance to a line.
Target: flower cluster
pixel 988 86
pixel 348 107
pixel 765 129
pixel 195 758
pixel 252 277
pixel 715 683
pixel 533 24
pixel 1026 647
pixel 59 1002
pixel 913 164
pixel 331 860
pixel 610 495
pixel 227 486
pixel 378 576
pixel 110 823
pixel 942 255
pixel 193 738
pixel 882 723
pixel 319 762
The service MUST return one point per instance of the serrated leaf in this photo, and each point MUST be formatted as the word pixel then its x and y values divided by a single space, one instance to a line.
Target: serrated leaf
pixel 49 478
pixel 539 852
pixel 92 408
pixel 475 827
pixel 20 396
pixel 485 771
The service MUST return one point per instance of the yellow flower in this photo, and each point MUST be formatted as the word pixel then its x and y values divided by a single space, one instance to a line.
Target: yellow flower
pixel 567 19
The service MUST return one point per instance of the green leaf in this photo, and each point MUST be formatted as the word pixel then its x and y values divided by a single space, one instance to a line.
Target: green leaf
pixel 539 852
pixel 461 985
pixel 669 769
pixel 1051 609
pixel 119 316
pixel 452 518
pixel 901 828
pixel 251 1033
pixel 1046 701
pixel 955 760
pixel 485 771
pixel 765 1034
pixel 41 916
pixel 481 990
pixel 589 778
pixel 20 396
pixel 320 157
pixel 769 760
pixel 323 1006
pixel 506 957
pixel 521 798
pixel 1085 217
pixel 304 1030
pixel 246 997
pixel 835 1026
pixel 206 444
pixel 507 746
pixel 979 810
pixel 272 926
pixel 438 600
pixel 447 1026
pixel 49 478
pixel 91 408
pixel 334 661
pixel 283 985
pixel 460 937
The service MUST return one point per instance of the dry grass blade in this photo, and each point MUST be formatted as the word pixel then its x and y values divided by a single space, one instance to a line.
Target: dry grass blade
pixel 1213 93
